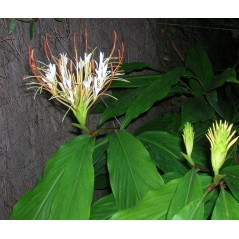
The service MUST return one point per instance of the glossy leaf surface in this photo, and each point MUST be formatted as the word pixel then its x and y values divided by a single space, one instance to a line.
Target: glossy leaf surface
pixel 153 206
pixel 189 189
pixel 66 188
pixel 131 169
pixel 199 63
pixel 104 208
pixel 164 149
pixel 226 207
pixel 156 91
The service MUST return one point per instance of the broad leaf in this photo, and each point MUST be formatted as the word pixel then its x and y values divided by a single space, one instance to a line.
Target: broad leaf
pixel 119 106
pixel 189 189
pixel 132 171
pixel 104 208
pixel 100 150
pixel 169 123
pixel 167 177
pixel 200 129
pixel 199 63
pixel 32 29
pixel 223 107
pixel 156 91
pixel 200 156
pixel 196 87
pixel 193 211
pixel 134 66
pixel 229 75
pixel 135 81
pixel 205 181
pixel 195 110
pixel 153 206
pixel 164 149
pixel 11 26
pixel 210 203
pixel 232 179
pixel 226 207
pixel 66 188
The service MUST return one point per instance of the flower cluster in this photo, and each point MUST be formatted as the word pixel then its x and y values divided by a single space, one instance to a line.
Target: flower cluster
pixel 77 83
pixel 220 138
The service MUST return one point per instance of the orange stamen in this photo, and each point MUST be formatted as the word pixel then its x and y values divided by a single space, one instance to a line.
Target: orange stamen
pixel 47 48
pixel 76 55
pixel 86 42
pixel 113 49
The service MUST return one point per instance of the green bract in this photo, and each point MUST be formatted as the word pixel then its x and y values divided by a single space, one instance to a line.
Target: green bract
pixel 188 138
pixel 220 138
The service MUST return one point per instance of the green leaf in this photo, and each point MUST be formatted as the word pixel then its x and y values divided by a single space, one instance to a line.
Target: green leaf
pixel 59 19
pixel 11 26
pixel 104 208
pixel 156 91
pixel 167 177
pixel 229 75
pixel 134 66
pixel 232 179
pixel 100 150
pixel 168 122
pixel 210 203
pixel 200 129
pixel 100 163
pixel 135 81
pixel 193 211
pixel 189 189
pixel 195 87
pixel 226 207
pixel 205 181
pixel 223 107
pixel 119 106
pixel 200 155
pixel 32 29
pixel 199 63
pixel 132 171
pixel 66 188
pixel 153 206
pixel 195 110
pixel 164 149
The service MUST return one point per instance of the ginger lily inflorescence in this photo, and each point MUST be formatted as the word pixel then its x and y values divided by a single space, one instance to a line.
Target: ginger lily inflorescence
pixel 77 83
pixel 221 140
pixel 188 139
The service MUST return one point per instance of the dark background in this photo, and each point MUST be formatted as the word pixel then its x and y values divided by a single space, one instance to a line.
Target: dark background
pixel 32 130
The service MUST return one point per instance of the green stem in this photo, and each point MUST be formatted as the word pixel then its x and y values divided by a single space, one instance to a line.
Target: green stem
pixel 83 127
pixel 101 130
pixel 217 178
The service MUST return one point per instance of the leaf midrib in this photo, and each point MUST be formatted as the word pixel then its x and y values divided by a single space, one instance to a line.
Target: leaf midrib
pixel 131 173
pixel 160 146
pixel 48 194
pixel 78 172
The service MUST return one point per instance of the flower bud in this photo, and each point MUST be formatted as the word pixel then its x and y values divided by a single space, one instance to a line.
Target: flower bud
pixel 220 138
pixel 188 138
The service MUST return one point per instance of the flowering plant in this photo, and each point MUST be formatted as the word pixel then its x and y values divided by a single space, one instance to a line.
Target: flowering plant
pixel 145 172
pixel 77 83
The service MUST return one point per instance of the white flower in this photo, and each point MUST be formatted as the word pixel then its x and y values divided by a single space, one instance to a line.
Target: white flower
pixel 66 76
pixel 87 58
pixel 87 82
pixel 102 75
pixel 50 75
pixel 77 83
pixel 64 59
